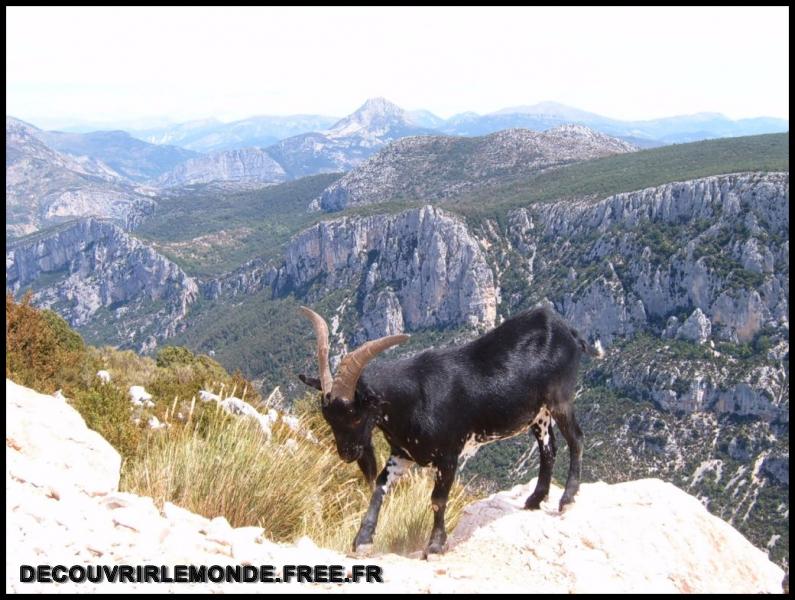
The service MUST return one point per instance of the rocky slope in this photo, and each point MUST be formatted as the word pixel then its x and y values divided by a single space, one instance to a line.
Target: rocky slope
pixel 247 165
pixel 45 187
pixel 102 280
pixel 350 141
pixel 59 514
pixel 433 168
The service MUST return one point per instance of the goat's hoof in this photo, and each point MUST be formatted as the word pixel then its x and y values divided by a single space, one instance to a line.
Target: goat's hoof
pixel 534 501
pixel 363 550
pixel 434 551
pixel 564 502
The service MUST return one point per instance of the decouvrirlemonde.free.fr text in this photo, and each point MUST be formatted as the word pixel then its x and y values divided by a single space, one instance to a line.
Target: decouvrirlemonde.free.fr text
pixel 200 574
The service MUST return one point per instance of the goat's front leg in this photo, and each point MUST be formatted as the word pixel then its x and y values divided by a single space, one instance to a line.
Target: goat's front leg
pixel 395 467
pixel 445 474
pixel 368 466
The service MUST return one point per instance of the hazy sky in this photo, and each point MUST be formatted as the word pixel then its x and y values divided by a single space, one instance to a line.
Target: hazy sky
pixel 122 64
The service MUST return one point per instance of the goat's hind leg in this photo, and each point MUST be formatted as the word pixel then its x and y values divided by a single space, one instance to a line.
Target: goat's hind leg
pixel 445 475
pixel 547 449
pixel 568 426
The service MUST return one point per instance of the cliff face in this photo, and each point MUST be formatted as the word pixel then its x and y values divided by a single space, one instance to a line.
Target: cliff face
pixel 741 224
pixel 417 269
pixel 97 276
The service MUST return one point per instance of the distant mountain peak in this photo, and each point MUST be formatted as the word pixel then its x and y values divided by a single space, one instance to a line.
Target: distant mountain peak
pixel 376 114
pixel 379 105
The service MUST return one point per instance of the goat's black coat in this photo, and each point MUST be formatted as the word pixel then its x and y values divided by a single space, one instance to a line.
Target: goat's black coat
pixel 429 405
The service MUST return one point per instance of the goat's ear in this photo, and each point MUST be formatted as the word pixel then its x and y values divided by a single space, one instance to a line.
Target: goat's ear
pixel 310 381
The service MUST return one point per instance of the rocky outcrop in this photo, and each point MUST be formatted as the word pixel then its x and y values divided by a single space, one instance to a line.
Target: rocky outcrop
pixel 678 384
pixel 433 168
pixel 247 165
pixel 96 275
pixel 381 315
pixel 603 309
pixel 49 447
pixel 598 544
pixel 696 328
pixel 422 267
pixel 45 187
pixel 58 513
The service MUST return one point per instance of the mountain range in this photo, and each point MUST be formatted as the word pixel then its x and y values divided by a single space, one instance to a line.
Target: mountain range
pixel 263 131
pixel 266 150
pixel 45 187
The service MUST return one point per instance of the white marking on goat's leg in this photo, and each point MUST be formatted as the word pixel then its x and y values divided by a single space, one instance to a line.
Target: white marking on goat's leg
pixel 542 430
pixel 543 421
pixel 396 467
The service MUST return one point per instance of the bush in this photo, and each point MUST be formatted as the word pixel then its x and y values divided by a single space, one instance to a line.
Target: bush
pixel 174 355
pixel 42 352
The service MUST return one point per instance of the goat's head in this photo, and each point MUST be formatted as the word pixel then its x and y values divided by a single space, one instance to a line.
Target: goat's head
pixel 347 408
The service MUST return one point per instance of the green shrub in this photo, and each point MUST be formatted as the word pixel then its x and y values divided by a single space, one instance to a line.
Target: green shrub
pixel 107 410
pixel 174 355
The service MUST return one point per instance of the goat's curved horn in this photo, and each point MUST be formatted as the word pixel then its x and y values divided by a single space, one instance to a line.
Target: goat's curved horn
pixel 321 332
pixel 352 364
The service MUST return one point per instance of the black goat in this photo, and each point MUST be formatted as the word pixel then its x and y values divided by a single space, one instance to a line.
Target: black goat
pixel 436 404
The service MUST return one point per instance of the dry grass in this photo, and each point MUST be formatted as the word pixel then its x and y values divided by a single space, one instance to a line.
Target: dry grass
pixel 291 489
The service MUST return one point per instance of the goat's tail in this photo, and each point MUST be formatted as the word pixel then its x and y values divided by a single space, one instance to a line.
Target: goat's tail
pixel 596 351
